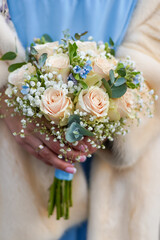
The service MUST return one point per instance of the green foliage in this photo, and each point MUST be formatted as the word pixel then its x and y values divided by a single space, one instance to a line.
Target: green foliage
pixel 115 87
pixel 75 131
pixel 44 39
pixel 84 85
pixel 72 49
pixel 111 42
pixel 107 87
pixel 79 35
pixel 42 59
pixel 33 51
pixel 15 66
pixel 8 56
pixel 119 91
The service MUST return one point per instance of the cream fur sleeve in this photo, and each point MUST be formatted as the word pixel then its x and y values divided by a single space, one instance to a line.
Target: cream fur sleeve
pixel 8 42
pixel 142 43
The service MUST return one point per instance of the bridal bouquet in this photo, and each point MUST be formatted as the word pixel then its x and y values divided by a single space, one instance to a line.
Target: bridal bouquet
pixel 83 91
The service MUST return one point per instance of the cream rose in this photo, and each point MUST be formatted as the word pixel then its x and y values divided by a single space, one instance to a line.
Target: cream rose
pixel 56 106
pixel 58 63
pixel 94 101
pixel 126 104
pixel 87 47
pixel 19 75
pixel 102 66
pixel 46 48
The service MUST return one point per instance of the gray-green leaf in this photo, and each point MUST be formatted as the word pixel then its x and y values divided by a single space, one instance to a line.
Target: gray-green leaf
pixel 111 75
pixel 42 59
pixel 118 92
pixel 119 82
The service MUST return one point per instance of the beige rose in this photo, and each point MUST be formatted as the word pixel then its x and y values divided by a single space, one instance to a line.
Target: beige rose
pixel 87 47
pixel 56 106
pixel 58 63
pixel 46 48
pixel 94 101
pixel 19 75
pixel 126 104
pixel 102 66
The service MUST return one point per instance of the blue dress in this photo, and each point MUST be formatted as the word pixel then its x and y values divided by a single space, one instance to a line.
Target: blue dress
pixel 102 18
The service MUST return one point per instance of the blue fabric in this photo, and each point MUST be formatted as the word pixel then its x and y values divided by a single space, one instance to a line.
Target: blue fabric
pixel 102 18
pixel 62 175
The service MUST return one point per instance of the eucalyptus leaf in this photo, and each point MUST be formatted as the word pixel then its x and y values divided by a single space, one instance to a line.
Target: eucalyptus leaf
pixel 33 51
pixel 84 85
pixel 15 66
pixel 8 56
pixel 107 87
pixel 119 82
pixel 73 118
pixel 73 134
pixel 111 75
pixel 77 36
pixel 42 59
pixel 86 132
pixel 119 91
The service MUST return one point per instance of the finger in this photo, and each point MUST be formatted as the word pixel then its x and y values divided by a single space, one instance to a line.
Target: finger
pixel 52 158
pixel 80 146
pixel 30 150
pixel 61 149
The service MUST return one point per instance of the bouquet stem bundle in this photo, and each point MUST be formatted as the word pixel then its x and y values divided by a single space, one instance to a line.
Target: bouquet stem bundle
pixel 60 197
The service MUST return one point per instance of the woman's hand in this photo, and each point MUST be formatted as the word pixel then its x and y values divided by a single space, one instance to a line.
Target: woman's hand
pixel 37 145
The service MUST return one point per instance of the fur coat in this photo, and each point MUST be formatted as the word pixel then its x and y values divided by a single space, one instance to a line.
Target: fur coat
pixel 123 201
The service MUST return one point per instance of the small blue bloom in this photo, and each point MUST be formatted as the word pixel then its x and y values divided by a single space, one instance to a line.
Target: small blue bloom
pixel 83 73
pixel 136 80
pixel 88 63
pixel 77 69
pixel 88 68
pixel 25 90
pixel 71 78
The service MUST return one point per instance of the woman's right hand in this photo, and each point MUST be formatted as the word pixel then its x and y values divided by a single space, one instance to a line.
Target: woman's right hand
pixel 37 145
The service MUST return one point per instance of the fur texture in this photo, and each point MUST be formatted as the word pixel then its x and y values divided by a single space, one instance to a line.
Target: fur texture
pixel 124 197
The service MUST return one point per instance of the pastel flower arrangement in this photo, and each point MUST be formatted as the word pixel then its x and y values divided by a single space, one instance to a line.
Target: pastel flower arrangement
pixel 83 91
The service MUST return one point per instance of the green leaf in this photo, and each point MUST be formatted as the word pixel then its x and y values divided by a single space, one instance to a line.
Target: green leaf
pixel 8 56
pixel 135 73
pixel 77 77
pixel 122 72
pixel 132 85
pixel 42 59
pixel 86 132
pixel 107 87
pixel 47 38
pixel 119 66
pixel 118 92
pixel 119 82
pixel 112 52
pixel 73 134
pixel 84 85
pixel 15 66
pixel 73 118
pixel 111 75
pixel 33 51
pixel 79 35
pixel 72 49
pixel 111 42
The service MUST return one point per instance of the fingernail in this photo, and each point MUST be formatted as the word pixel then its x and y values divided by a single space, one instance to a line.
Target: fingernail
pixel 71 170
pixel 83 158
pixel 83 148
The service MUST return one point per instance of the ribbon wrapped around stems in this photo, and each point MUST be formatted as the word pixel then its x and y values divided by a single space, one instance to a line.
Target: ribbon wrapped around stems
pixel 60 194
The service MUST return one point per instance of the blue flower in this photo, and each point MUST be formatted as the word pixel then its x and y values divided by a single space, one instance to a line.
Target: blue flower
pixel 84 73
pixel 136 79
pixel 25 90
pixel 87 68
pixel 77 69
pixel 71 78
pixel 88 63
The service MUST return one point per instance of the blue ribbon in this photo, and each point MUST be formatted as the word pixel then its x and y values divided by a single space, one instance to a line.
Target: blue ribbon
pixel 63 175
